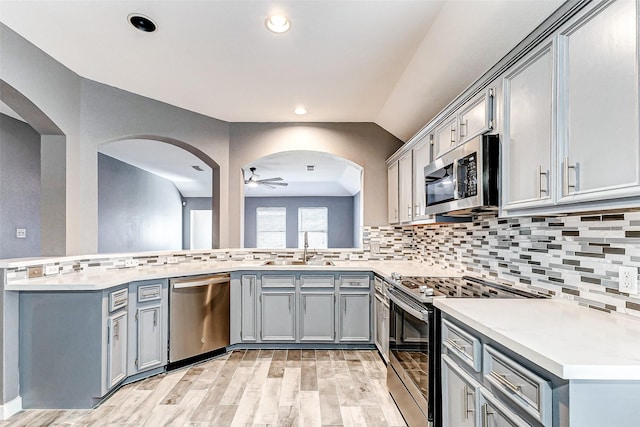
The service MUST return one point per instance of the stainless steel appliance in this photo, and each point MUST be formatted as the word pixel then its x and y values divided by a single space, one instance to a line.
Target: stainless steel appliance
pixel 413 372
pixel 465 179
pixel 198 317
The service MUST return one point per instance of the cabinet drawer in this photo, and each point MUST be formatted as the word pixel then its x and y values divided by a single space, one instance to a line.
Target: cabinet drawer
pixel 149 293
pixel 354 282
pixel 118 299
pixel 521 386
pixel 278 281
pixel 464 345
pixel 317 281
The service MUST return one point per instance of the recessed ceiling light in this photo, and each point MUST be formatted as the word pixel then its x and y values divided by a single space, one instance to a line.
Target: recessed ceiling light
pixel 142 23
pixel 278 23
pixel 301 111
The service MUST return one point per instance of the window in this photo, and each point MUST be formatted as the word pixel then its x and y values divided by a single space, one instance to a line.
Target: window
pixel 271 225
pixel 315 222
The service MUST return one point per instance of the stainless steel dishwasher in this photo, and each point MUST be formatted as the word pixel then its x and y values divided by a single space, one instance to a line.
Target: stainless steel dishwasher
pixel 198 316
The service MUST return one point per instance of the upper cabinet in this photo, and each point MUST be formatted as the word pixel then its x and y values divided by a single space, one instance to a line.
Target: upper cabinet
pixel 405 175
pixel 598 104
pixel 474 118
pixel 421 154
pixel 392 193
pixel 528 138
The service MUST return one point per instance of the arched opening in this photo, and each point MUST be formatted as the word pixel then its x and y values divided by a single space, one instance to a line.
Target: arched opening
pixel 297 192
pixel 32 179
pixel 156 193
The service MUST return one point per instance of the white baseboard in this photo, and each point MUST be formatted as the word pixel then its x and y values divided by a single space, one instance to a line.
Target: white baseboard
pixel 10 408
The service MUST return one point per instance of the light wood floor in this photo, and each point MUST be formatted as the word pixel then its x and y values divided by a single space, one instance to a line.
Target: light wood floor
pixel 247 388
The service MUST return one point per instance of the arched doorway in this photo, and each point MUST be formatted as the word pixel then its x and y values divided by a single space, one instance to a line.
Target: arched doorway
pixel 300 191
pixel 149 191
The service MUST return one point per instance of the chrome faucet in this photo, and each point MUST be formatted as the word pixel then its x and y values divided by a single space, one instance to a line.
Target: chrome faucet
pixel 306 246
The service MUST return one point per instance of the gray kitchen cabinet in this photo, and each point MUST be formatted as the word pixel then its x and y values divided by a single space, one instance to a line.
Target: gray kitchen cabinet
pixel 355 317
pixel 392 193
pixel 598 103
pixel 148 326
pixel 317 318
pixel 278 316
pixel 117 348
pixel 445 136
pixel 421 154
pixel 528 144
pixel 475 117
pixel 460 396
pixel 495 414
pixel 249 308
pixel 405 186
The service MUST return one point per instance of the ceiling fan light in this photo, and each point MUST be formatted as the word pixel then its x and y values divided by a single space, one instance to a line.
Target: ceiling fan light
pixel 278 24
pixel 252 184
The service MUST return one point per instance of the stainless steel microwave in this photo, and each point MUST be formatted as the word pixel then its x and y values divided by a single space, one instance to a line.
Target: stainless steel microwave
pixel 465 179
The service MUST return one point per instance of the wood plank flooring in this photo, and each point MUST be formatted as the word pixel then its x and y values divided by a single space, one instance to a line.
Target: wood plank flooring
pixel 247 388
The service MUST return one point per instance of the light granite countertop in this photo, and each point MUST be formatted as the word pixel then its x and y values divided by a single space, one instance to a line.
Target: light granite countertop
pixel 568 340
pixel 104 279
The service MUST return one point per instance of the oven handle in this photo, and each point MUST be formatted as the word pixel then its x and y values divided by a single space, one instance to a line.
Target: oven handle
pixel 412 311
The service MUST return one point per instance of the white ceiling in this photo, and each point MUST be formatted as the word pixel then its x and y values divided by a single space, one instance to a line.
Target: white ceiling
pixel 166 161
pixel 392 62
pixel 332 175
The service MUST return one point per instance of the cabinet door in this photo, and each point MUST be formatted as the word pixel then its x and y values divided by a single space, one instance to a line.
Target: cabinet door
pixel 421 158
pixel 460 395
pixel 599 109
pixel 445 136
pixel 116 349
pixel 495 414
pixel 149 337
pixel 355 317
pixel 278 316
pixel 476 116
pixel 317 318
pixel 248 309
pixel 378 323
pixel 405 175
pixel 392 193
pixel 529 136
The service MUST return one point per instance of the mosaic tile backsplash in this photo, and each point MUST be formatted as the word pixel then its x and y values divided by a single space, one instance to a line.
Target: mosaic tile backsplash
pixel 575 257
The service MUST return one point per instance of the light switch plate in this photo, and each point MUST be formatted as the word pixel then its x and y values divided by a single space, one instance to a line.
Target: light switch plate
pixel 51 269
pixel 21 233
pixel 131 263
pixel 628 280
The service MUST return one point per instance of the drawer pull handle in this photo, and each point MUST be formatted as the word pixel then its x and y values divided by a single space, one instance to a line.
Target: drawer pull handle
pixel 502 379
pixel 456 346
pixel 485 415
pixel 465 399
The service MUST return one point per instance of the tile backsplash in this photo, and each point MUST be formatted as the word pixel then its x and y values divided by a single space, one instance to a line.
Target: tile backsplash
pixel 575 257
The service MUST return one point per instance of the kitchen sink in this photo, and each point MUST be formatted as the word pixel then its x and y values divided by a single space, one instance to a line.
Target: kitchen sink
pixel 296 262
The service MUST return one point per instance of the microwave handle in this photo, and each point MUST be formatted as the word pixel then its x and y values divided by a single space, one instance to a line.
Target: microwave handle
pixel 456 193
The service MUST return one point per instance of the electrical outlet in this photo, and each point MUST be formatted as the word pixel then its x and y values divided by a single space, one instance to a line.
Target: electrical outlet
pixel 172 260
pixel 35 271
pixel 353 257
pixel 21 233
pixel 375 248
pixel 51 269
pixel 248 257
pixel 628 280
pixel 131 263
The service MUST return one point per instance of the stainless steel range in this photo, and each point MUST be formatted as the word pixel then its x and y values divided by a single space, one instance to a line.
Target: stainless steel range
pixel 413 372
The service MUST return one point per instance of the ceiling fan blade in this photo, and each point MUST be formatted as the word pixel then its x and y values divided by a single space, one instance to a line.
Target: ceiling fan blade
pixel 282 184
pixel 270 179
pixel 267 185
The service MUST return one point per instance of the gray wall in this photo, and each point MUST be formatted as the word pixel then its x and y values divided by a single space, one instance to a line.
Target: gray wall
pixel 192 203
pixel 365 144
pixel 137 210
pixel 341 218
pixel 19 188
pixel 357 219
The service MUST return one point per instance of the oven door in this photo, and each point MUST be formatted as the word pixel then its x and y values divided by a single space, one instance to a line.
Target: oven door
pixel 410 361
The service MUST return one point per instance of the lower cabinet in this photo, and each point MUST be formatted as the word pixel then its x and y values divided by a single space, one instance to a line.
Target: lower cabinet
pixel 317 316
pixel 495 414
pixel 148 325
pixel 278 316
pixel 460 395
pixel 355 317
pixel 117 348
pixel 301 307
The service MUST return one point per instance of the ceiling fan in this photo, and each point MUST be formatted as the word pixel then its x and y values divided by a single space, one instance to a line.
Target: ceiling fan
pixel 253 180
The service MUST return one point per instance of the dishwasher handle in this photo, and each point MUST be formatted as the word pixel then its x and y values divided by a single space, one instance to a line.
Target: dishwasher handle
pixel 206 281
